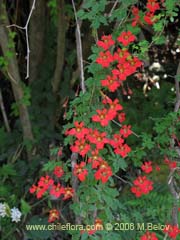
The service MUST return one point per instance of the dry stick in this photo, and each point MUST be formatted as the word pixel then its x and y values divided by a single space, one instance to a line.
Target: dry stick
pixel 27 37
pixel 112 9
pixel 6 122
pixel 79 48
pixel 171 183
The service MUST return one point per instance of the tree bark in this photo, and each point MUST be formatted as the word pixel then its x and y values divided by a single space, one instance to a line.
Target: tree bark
pixel 37 38
pixel 14 75
pixel 60 47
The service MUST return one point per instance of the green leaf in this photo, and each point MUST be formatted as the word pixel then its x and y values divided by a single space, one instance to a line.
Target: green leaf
pixel 25 207
pixel 8 170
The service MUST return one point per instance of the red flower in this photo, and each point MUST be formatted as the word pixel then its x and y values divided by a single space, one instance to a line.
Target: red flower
pixel 79 131
pixel 103 117
pixel 80 147
pixel 141 186
pixel 152 5
pixel 134 63
pixel 121 117
pixel 97 138
pixel 95 159
pixel 80 172
pixel 121 55
pixel 126 37
pixel 114 106
pixel 149 236
pixel 104 59
pixel 38 190
pixel 122 150
pixel 171 164
pixel 125 131
pixel 172 231
pixel 68 193
pixel 104 172
pixel 149 18
pixel 136 19
pixel 116 141
pixel 58 171
pixel 147 167
pixel 56 190
pixel 60 152
pixel 45 182
pixel 53 215
pixel 122 71
pixel 106 42
pixel 111 82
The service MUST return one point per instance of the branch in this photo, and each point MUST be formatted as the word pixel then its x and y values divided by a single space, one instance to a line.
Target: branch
pixel 112 9
pixel 79 48
pixel 171 180
pixel 6 122
pixel 25 28
pixel 177 77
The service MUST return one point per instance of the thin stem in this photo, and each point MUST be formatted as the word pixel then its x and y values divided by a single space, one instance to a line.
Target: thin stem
pixel 5 118
pixel 118 124
pixel 79 48
pixel 27 37
pixel 123 180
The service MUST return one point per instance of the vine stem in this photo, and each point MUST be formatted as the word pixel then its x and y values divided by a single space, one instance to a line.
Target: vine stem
pixel 25 28
pixel 6 122
pixel 79 48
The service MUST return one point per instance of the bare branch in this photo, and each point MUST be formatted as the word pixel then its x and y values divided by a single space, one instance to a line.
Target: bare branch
pixel 6 122
pixel 112 9
pixel 171 180
pixel 25 28
pixel 79 48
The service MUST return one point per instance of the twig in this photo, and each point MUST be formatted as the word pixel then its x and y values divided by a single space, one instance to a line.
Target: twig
pixel 171 181
pixel 6 122
pixel 112 9
pixel 118 124
pixel 25 28
pixel 79 48
pixel 123 180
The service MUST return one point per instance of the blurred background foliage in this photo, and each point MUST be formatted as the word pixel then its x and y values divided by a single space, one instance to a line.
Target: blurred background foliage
pixel 55 81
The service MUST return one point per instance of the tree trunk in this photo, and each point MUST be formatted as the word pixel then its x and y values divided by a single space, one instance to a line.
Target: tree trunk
pixel 14 75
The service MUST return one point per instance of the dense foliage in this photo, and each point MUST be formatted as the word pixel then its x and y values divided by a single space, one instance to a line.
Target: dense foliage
pixel 89 134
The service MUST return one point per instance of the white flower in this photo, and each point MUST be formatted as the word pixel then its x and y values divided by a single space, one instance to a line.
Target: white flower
pixel 3 212
pixel 15 214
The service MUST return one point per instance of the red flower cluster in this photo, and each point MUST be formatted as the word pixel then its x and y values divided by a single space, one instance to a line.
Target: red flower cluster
pixel 126 64
pixel 58 171
pixel 56 190
pixel 111 82
pixel 147 167
pixel 106 42
pixel 105 59
pixel 43 185
pixel 171 164
pixel 104 172
pixel 141 186
pixel 53 215
pixel 149 236
pixel 80 171
pixel 136 18
pixel 107 114
pixel 149 17
pixel 172 231
pixel 47 185
pixel 152 6
pixel 126 38
pixel 81 147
